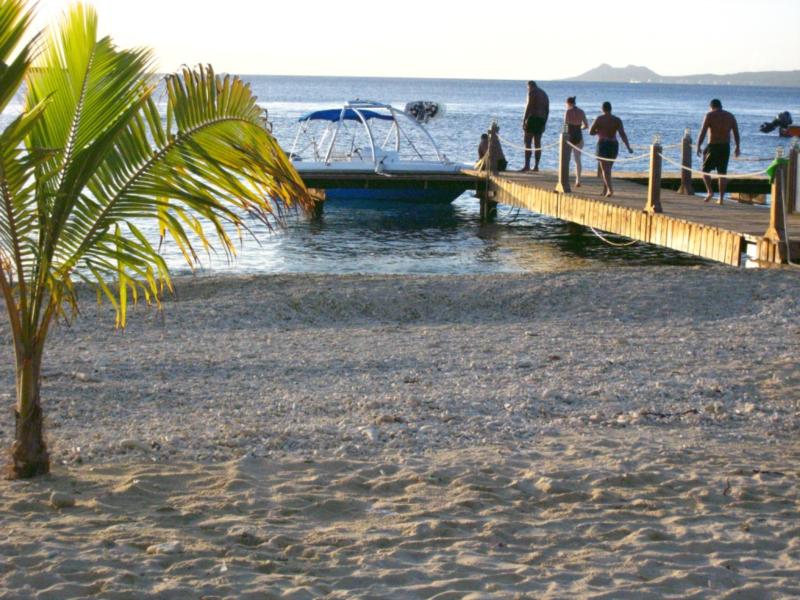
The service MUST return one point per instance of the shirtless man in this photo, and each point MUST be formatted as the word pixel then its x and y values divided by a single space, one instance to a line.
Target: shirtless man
pixel 537 110
pixel 606 127
pixel 576 122
pixel 718 152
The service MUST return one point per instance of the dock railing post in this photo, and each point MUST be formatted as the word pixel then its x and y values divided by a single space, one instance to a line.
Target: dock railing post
pixel 489 167
pixel 776 227
pixel 491 159
pixel 687 189
pixel 564 155
pixel 792 184
pixel 654 186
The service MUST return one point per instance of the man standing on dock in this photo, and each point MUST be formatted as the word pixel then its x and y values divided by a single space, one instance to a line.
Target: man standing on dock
pixel 720 123
pixel 537 110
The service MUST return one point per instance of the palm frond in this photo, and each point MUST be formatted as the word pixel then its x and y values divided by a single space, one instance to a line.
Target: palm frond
pixel 99 158
pixel 15 20
pixel 216 164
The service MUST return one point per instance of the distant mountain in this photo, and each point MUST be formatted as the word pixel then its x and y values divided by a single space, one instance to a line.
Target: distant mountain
pixel 632 74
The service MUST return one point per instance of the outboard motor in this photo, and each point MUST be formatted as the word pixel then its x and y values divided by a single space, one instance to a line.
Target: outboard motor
pixel 423 111
pixel 782 121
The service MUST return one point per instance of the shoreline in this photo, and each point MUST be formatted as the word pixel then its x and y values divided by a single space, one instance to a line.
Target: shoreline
pixel 589 434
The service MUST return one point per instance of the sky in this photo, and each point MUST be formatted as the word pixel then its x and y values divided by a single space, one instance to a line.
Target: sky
pixel 455 39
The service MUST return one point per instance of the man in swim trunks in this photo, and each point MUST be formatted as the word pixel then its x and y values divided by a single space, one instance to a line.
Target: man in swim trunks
pixel 606 127
pixel 576 122
pixel 720 123
pixel 537 110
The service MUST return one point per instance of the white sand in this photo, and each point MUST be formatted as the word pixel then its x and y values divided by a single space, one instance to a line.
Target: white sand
pixel 627 433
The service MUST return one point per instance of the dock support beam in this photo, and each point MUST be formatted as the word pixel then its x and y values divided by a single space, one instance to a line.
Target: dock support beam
pixel 564 154
pixel 686 189
pixel 318 196
pixel 489 168
pixel 792 185
pixel 654 186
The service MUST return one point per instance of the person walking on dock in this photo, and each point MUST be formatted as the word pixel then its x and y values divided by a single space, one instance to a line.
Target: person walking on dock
pixel 606 127
pixel 719 124
pixel 534 121
pixel 576 122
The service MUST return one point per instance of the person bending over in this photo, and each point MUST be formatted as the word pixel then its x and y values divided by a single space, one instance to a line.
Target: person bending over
pixel 606 127
pixel 499 155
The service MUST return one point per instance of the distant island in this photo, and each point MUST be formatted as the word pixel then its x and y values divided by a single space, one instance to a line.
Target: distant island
pixel 632 74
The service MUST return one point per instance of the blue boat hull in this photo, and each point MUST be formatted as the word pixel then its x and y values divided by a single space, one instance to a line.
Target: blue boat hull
pixel 411 195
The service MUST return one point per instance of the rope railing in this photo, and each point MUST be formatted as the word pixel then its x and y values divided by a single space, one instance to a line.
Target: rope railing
pixel 713 175
pixel 665 147
pixel 526 148
pixel 611 160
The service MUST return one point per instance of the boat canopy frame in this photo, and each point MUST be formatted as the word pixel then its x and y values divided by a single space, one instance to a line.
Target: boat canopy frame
pixel 361 112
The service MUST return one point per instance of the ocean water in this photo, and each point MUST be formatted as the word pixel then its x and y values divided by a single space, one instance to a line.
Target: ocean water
pixel 403 238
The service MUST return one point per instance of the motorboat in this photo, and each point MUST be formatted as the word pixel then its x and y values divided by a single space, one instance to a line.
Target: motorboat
pixel 783 123
pixel 369 139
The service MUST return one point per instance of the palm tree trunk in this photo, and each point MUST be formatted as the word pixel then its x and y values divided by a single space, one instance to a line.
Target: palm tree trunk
pixel 29 456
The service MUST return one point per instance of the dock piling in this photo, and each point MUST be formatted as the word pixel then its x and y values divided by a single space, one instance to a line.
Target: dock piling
pixel 564 154
pixel 318 196
pixel 777 224
pixel 654 185
pixel 488 208
pixel 686 189
pixel 792 185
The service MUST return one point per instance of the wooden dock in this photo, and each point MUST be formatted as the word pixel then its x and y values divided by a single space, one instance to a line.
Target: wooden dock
pixel 646 206
pixel 731 233
pixel 687 224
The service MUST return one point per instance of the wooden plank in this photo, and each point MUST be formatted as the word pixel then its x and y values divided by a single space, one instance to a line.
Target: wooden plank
pixel 736 251
pixel 726 258
pixel 715 244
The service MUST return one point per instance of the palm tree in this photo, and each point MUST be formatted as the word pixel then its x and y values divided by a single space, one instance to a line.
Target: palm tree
pixel 88 159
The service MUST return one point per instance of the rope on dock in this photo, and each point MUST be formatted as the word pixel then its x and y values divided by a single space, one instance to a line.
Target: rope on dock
pixel 609 242
pixel 713 175
pixel 611 160
pixel 665 147
pixel 526 148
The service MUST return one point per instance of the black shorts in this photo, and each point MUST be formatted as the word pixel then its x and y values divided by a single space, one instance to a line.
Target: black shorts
pixel 608 149
pixel 535 125
pixel 716 157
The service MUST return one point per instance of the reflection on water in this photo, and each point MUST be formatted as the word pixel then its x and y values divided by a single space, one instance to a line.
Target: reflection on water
pixel 366 237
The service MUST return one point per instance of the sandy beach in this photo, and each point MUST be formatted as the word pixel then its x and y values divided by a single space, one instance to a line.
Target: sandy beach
pixel 625 433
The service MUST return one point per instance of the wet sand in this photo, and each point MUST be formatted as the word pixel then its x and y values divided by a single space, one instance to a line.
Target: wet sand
pixel 627 433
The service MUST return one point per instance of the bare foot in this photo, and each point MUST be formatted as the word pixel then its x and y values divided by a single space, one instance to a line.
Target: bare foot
pixel 709 197
pixel 720 201
pixel 609 194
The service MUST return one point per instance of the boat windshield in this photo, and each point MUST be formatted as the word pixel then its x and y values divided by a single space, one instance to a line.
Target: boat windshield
pixel 363 131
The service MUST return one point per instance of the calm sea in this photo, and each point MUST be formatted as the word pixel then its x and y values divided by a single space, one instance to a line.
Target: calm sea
pixel 410 239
